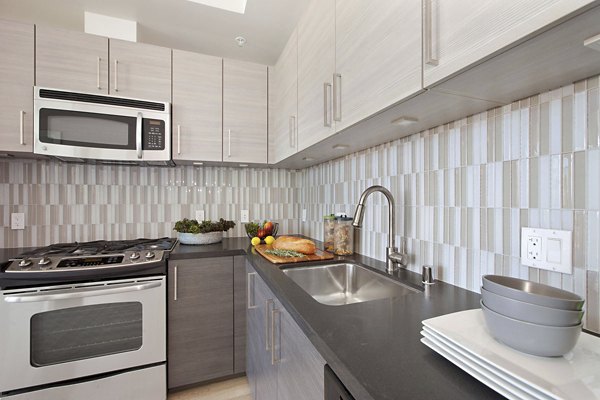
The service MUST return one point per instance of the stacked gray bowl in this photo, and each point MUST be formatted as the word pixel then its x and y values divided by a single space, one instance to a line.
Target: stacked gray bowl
pixel 531 317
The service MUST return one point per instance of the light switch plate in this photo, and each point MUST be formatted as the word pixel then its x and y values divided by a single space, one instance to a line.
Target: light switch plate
pixel 199 215
pixel 304 215
pixel 17 221
pixel 245 216
pixel 549 249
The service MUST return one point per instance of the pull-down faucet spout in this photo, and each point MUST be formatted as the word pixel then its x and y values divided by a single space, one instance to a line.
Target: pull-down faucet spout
pixel 393 257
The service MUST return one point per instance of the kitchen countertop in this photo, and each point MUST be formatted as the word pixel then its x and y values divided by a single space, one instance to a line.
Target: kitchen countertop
pixel 373 347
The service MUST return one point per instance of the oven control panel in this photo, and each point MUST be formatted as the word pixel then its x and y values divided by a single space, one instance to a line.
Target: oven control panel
pixel 154 134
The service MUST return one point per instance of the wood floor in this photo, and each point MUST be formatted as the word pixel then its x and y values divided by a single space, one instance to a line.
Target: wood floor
pixel 233 389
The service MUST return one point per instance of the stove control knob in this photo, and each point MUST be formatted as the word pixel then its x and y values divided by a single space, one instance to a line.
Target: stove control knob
pixel 150 255
pixel 134 256
pixel 24 263
pixel 44 261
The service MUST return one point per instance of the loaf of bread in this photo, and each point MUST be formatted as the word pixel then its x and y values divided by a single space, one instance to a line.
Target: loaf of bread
pixel 304 246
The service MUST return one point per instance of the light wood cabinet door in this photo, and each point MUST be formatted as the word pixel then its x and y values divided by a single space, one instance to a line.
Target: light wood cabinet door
pixel 283 135
pixel 197 107
pixel 316 65
pixel 71 60
pixel 244 112
pixel 200 320
pixel 460 33
pixel 378 57
pixel 140 70
pixel 16 86
pixel 240 296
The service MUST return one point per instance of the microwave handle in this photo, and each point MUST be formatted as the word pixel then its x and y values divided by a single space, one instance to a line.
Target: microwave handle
pixel 78 294
pixel 138 135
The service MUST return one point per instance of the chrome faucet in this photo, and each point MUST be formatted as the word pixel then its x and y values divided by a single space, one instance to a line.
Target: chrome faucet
pixel 393 257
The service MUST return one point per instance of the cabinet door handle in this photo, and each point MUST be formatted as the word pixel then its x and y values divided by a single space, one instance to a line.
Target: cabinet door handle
pixel 229 143
pixel 268 304
pixel 116 75
pixel 138 135
pixel 275 313
pixel 327 104
pixel 98 73
pixel 178 139
pixel 22 127
pixel 175 283
pixel 337 97
pixel 251 285
pixel 429 25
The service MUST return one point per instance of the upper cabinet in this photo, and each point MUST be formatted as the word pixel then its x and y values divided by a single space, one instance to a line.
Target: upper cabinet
pixel 460 33
pixel 197 107
pixel 140 70
pixel 16 86
pixel 244 112
pixel 283 133
pixel 71 60
pixel 377 57
pixel 316 65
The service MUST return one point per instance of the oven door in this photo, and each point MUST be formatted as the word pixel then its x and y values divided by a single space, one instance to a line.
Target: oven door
pixel 57 333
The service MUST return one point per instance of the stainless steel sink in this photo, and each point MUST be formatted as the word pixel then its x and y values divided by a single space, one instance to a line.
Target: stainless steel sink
pixel 339 284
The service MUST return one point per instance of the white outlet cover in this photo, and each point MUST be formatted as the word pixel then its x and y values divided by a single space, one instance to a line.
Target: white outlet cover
pixel 555 245
pixel 245 216
pixel 199 215
pixel 17 221
pixel 304 215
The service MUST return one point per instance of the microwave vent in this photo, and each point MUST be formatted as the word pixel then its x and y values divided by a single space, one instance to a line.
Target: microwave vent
pixel 97 99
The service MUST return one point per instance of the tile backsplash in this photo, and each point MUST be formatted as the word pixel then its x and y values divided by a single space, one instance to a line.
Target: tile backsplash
pixel 80 202
pixel 464 190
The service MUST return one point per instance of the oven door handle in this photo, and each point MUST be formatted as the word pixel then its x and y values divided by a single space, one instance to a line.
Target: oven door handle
pixel 138 135
pixel 78 294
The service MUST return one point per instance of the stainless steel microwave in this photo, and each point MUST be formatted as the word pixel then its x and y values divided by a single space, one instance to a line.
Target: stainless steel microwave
pixel 75 126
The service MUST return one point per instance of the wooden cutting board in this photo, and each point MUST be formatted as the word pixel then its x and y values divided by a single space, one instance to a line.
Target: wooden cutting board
pixel 318 256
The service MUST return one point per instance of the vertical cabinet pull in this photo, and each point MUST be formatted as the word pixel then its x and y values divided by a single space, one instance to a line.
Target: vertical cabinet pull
pixel 22 127
pixel 251 285
pixel 178 139
pixel 98 74
pixel 337 97
pixel 327 104
pixel 429 25
pixel 229 143
pixel 175 283
pixel 268 340
pixel 274 349
pixel 116 75
pixel 138 135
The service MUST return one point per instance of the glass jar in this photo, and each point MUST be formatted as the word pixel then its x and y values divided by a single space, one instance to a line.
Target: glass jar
pixel 329 229
pixel 343 236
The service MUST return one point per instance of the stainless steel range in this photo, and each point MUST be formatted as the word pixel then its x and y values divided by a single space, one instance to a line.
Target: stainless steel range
pixel 85 320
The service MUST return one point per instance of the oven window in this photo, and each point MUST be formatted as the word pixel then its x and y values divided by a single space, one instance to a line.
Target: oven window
pixel 84 129
pixel 85 332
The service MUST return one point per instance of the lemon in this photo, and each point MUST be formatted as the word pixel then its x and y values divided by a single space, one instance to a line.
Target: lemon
pixel 255 240
pixel 269 239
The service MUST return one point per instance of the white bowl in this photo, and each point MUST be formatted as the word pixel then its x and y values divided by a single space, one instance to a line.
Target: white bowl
pixel 200 238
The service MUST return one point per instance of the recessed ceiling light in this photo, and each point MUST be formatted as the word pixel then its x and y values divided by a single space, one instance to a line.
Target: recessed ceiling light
pixel 308 159
pixel 403 121
pixel 340 147
pixel 237 6
pixel 198 163
pixel 241 41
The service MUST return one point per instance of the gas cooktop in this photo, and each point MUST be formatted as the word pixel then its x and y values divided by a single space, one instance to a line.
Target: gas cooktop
pixel 80 262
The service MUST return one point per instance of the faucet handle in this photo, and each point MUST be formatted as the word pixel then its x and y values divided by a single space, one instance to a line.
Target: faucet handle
pixel 427 275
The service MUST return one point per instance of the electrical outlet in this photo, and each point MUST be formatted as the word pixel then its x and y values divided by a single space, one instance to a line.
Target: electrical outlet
pixel 199 215
pixel 534 247
pixel 17 221
pixel 304 215
pixel 548 249
pixel 245 216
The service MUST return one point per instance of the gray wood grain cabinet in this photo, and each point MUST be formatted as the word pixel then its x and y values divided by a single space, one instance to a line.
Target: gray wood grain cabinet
pixel 282 364
pixel 197 107
pixel 16 86
pixel 204 333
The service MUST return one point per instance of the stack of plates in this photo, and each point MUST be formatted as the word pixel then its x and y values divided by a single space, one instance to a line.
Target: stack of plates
pixel 463 339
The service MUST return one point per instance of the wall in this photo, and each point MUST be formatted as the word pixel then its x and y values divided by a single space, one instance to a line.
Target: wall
pixel 73 202
pixel 463 191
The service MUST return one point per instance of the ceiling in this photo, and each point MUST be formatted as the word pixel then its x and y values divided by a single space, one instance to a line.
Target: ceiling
pixel 180 24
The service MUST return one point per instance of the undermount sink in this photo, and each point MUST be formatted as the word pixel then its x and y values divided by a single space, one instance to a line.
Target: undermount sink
pixel 340 284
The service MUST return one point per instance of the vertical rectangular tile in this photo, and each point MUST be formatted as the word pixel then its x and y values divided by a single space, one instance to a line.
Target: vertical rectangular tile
pixel 567 124
pixel 545 128
pixel 593 111
pixel 555 126
pixel 579 180
pixel 580 116
pixel 555 181
pixel 567 181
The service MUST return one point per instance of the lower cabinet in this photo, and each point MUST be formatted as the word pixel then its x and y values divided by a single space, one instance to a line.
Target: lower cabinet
pixel 206 321
pixel 281 363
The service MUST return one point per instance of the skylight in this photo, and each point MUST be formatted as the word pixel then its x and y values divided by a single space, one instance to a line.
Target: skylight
pixel 238 6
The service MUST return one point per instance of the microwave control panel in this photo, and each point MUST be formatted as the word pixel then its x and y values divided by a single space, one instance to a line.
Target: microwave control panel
pixel 154 134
